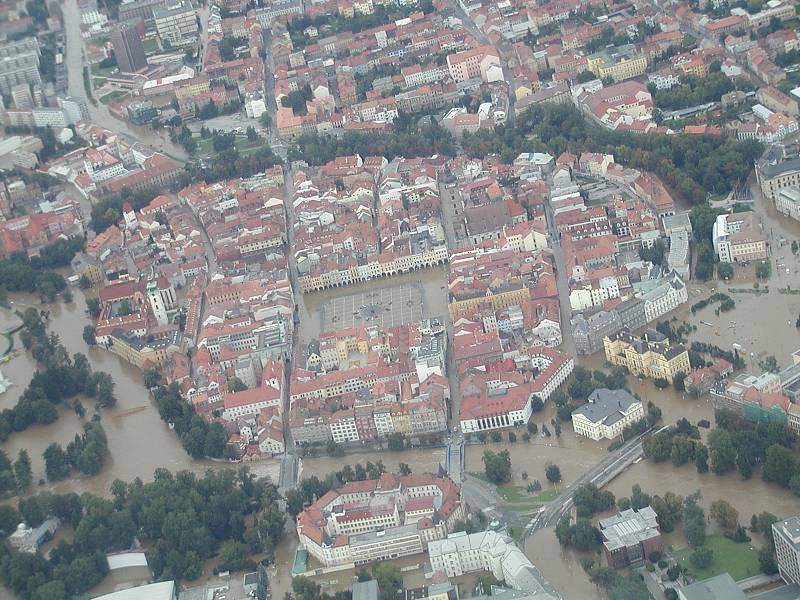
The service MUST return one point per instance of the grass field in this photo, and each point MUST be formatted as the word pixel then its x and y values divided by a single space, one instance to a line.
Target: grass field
pixel 205 147
pixel 150 45
pixel 740 560
pixel 115 95
pixel 517 497
pixel 98 71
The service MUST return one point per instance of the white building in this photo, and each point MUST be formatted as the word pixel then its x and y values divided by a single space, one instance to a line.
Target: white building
pixel 606 414
pixel 666 297
pixel 157 303
pixel 177 23
pixel 787 201
pixel 343 427
pixel 787 548
pixel 366 521
pixel 490 551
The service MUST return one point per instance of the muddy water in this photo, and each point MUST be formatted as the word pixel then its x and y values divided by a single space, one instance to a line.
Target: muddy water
pixel 139 442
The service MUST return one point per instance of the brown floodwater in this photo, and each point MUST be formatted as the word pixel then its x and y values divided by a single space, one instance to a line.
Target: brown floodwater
pixel 139 441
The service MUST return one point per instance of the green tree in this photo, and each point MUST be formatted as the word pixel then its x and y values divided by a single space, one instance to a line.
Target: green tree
pixel 584 536
pixel 390 580
pixel 767 562
pixel 152 378
pixel 88 335
pixel 763 269
pixel 56 462
pixel 396 441
pixel 694 523
pixel 780 465
pixel 701 558
pixel 22 469
pixel 497 466
pixel 725 271
pixel 701 458
pixel 722 451
pixel 553 473
pixel 678 381
pixel 724 514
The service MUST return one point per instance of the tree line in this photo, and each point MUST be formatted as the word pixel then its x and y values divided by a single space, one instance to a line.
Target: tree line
pixel 199 438
pixel 736 444
pixel 311 488
pixel 182 518
pixel 691 165
pixel 693 91
pixel 408 137
pixel 32 274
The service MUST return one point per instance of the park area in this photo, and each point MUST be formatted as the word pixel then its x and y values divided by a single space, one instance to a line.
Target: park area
pixel 740 560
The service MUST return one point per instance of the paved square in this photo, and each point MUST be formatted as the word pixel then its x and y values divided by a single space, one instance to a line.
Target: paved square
pixel 386 307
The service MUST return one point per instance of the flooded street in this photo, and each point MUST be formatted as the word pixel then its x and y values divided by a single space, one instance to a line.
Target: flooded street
pixel 98 113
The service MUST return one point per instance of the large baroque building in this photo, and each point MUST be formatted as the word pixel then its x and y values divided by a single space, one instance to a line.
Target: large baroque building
pixel 649 356
pixel 380 519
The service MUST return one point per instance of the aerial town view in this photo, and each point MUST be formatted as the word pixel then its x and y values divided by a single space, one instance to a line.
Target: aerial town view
pixel 400 299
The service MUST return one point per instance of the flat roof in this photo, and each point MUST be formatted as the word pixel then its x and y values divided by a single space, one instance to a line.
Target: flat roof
pixel 163 590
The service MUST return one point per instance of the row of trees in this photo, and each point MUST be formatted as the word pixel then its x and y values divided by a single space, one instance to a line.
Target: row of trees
pixel 691 165
pixel 183 519
pixel 335 23
pixel 735 445
pixel 230 164
pixel 14 476
pixel 199 438
pixel 409 138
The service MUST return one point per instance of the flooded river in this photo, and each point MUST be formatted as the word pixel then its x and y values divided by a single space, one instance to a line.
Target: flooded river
pixel 139 442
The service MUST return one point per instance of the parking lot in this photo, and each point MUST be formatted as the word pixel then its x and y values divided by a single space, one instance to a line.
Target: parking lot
pixel 386 307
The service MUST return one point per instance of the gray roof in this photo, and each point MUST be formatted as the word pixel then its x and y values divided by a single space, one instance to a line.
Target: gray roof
pixel 785 592
pixel 789 530
pixel 629 528
pixel 606 406
pixel 365 590
pixel 164 590
pixel 721 587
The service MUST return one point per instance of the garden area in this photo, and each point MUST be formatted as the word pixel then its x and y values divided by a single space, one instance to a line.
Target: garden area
pixel 740 560
pixel 243 144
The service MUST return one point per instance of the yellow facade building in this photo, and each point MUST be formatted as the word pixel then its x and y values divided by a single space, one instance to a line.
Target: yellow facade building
pixel 651 356
pixel 619 64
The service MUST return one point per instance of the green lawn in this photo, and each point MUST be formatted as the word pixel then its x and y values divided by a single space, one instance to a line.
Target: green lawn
pixel 740 560
pixel 205 147
pixel 98 71
pixel 150 45
pixel 115 95
pixel 518 498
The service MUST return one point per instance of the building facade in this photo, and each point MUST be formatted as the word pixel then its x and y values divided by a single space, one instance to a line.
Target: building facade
pixel 650 356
